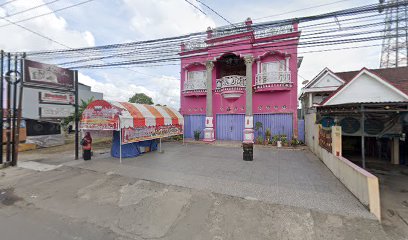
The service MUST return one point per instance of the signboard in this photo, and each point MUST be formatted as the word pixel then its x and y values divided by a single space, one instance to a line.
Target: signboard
pixel 47 75
pixel 55 112
pixel 100 116
pixel 130 135
pixel 59 98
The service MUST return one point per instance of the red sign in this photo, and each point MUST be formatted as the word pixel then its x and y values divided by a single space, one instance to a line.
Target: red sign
pixel 48 75
pixel 51 97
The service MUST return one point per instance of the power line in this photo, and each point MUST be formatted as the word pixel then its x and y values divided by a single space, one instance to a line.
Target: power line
pixel 3 4
pixel 50 39
pixel 45 14
pixel 302 9
pixel 205 5
pixel 32 8
pixel 167 49
pixel 196 7
pixel 172 50
pixel 346 12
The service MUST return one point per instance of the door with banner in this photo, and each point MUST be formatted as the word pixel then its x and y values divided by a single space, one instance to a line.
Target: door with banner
pixel 230 127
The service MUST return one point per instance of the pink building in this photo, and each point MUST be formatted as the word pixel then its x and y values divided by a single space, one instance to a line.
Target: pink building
pixel 238 76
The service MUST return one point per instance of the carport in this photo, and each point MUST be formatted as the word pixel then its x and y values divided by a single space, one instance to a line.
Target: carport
pixel 371 131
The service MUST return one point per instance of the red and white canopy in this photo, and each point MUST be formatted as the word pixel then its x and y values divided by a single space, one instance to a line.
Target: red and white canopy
pixel 110 115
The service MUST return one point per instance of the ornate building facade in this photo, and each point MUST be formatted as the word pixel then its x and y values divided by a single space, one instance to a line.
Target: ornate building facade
pixel 239 76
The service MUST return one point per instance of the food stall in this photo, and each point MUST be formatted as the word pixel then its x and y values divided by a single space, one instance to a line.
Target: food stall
pixel 132 126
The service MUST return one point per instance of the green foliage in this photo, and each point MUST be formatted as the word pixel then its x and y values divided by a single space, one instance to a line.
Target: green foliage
pixel 259 140
pixel 275 138
pixel 268 133
pixel 295 142
pixel 141 98
pixel 258 127
pixel 81 109
pixel 284 139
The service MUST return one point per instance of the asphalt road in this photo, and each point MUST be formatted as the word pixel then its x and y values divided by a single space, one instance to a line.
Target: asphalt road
pixel 71 202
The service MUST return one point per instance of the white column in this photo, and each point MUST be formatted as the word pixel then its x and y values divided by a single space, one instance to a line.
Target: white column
pixel 249 118
pixel 209 126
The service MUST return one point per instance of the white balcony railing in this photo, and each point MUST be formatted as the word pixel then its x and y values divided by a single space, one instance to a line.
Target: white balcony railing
pixel 273 77
pixel 231 81
pixel 196 84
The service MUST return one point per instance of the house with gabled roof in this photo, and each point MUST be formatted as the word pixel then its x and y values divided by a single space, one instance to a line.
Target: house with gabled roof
pixel 371 106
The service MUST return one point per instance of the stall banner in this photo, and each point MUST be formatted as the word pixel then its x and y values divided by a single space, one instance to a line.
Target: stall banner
pixel 100 115
pixel 47 75
pixel 56 112
pixel 130 135
pixel 59 98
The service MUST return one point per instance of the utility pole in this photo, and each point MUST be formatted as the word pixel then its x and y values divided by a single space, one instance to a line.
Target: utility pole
pixel 395 41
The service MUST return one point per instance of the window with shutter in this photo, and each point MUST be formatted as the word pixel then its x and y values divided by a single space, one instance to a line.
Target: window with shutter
pixel 197 75
pixel 276 66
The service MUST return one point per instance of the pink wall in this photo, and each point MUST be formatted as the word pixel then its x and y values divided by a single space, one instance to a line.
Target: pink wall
pixel 263 102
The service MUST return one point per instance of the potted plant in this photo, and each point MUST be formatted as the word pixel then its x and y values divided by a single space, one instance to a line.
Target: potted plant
pixel 268 135
pixel 295 142
pixel 259 140
pixel 275 140
pixel 284 140
pixel 197 135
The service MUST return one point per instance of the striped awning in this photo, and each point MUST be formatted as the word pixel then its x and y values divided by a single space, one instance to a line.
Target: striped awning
pixel 110 115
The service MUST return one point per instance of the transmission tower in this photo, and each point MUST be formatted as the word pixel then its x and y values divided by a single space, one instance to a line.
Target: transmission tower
pixel 395 42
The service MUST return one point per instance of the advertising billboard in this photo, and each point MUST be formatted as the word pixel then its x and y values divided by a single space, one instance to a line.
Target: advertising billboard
pixel 47 75
pixel 56 112
pixel 57 98
pixel 130 135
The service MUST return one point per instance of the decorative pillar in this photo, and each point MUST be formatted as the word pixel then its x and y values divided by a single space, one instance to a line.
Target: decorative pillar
pixel 249 118
pixel 209 124
pixel 336 141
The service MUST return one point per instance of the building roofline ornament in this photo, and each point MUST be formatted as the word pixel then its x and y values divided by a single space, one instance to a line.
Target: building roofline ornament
pixel 249 59
pixel 209 65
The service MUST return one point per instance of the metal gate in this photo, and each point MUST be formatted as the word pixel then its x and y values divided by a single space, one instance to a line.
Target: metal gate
pixel 301 130
pixel 230 127
pixel 281 123
pixel 193 123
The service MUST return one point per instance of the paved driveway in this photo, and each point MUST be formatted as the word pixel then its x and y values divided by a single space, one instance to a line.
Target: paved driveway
pixel 290 177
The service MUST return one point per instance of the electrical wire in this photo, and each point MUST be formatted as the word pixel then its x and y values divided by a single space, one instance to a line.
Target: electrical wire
pixel 45 14
pixel 32 8
pixel 167 50
pixel 3 4
pixel 212 10
pixel 195 7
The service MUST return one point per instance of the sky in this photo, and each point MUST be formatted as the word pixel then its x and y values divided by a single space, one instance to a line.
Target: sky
pixel 101 22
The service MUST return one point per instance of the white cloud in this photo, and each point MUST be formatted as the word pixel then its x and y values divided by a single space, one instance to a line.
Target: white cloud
pixel 52 26
pixel 160 18
pixel 163 90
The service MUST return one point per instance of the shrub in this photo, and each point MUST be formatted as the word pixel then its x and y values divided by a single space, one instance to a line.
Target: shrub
pixel 259 140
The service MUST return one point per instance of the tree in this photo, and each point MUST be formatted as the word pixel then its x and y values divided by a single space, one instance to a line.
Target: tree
pixel 141 98
pixel 81 108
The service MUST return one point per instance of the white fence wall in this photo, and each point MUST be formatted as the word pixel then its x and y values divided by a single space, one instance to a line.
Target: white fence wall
pixel 361 183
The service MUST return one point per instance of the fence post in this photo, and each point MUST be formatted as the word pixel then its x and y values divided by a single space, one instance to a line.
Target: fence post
pixel 336 141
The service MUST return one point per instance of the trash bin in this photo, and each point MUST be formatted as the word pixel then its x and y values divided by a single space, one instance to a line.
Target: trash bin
pixel 248 149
